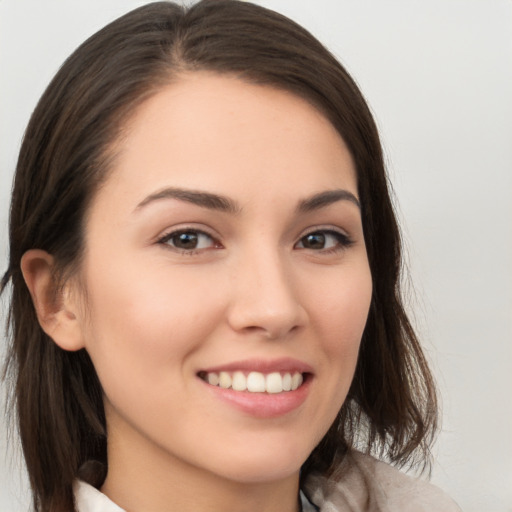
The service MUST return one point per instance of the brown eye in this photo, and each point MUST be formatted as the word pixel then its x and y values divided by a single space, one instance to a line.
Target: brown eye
pixel 188 240
pixel 314 241
pixel 324 240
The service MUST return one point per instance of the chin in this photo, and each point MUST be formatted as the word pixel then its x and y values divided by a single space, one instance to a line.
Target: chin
pixel 263 466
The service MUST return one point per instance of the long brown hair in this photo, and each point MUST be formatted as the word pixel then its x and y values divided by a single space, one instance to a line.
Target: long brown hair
pixel 391 406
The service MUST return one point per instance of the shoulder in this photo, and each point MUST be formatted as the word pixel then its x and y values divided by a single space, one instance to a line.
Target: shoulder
pixel 364 484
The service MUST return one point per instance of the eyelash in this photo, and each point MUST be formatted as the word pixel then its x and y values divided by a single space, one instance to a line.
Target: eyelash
pixel 165 239
pixel 343 240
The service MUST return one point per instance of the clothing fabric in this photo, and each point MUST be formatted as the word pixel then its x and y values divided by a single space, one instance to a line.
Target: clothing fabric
pixel 364 484
pixel 360 484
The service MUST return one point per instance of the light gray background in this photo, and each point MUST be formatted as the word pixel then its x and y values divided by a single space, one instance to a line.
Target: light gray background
pixel 438 75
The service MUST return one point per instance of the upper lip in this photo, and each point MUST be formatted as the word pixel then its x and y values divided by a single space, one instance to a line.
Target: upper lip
pixel 282 365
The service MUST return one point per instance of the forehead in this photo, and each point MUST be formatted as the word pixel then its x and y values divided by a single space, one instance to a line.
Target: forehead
pixel 210 131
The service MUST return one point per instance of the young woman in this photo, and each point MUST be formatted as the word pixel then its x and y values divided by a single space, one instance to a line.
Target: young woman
pixel 204 263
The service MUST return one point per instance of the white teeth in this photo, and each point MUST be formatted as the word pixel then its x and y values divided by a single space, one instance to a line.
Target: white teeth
pixel 224 380
pixel 287 382
pixel 239 382
pixel 274 383
pixel 255 382
pixel 213 379
pixel 296 380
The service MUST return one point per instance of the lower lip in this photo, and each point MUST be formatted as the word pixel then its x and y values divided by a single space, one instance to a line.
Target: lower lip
pixel 263 405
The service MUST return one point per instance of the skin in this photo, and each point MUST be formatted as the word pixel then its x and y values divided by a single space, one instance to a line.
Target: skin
pixel 153 315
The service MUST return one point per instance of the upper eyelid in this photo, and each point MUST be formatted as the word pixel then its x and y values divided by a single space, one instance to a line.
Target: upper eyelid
pixel 324 228
pixel 217 238
pixel 186 227
pixel 344 238
pixel 331 232
pixel 165 239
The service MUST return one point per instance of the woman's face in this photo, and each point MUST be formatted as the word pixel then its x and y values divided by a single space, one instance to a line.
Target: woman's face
pixel 225 250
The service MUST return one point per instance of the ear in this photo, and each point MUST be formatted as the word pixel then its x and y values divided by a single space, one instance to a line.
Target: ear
pixel 57 309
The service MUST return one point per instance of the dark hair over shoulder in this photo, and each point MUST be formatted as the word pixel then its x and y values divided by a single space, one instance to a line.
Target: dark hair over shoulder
pixel 391 406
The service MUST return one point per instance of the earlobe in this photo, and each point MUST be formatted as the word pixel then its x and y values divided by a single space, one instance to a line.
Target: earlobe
pixel 57 309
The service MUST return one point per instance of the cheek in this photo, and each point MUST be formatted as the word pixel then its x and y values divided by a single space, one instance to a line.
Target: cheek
pixel 339 318
pixel 141 325
pixel 342 311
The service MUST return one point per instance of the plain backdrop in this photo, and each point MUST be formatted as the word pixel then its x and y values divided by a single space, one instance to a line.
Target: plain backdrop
pixel 438 76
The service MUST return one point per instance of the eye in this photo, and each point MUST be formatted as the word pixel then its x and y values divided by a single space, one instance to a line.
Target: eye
pixel 188 240
pixel 324 240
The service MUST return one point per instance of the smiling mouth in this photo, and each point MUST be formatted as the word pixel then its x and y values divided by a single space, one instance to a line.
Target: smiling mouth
pixel 255 382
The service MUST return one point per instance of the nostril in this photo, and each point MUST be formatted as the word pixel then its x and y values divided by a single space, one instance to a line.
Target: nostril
pixel 272 330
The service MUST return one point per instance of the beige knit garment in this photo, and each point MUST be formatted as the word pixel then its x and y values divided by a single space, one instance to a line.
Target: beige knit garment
pixel 364 484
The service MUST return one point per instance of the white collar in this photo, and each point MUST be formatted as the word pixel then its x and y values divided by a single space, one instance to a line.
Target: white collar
pixel 89 499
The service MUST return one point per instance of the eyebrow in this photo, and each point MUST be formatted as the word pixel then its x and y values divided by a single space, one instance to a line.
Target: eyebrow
pixel 199 198
pixel 323 199
pixel 224 204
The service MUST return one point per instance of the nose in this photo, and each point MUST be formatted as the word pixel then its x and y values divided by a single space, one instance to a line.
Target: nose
pixel 265 298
